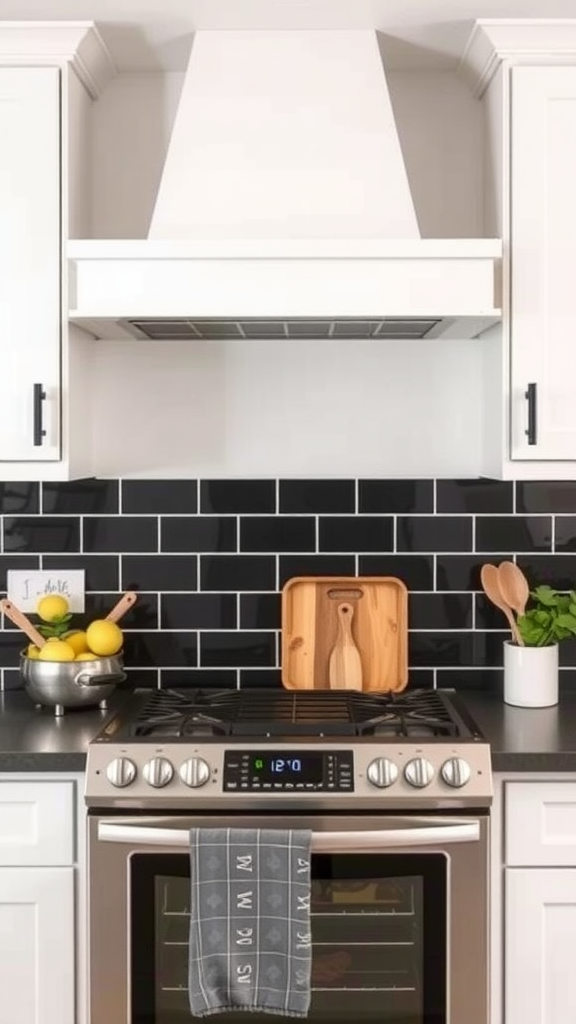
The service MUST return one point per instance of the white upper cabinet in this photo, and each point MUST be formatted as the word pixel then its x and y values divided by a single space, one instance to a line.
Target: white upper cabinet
pixel 50 73
pixel 543 256
pixel 524 73
pixel 30 244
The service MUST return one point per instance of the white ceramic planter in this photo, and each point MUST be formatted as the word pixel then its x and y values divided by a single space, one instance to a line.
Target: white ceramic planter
pixel 530 676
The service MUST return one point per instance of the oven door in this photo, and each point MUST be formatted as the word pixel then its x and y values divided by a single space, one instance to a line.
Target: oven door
pixel 398 904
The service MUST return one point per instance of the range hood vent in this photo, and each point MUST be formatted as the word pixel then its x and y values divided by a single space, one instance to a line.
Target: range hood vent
pixel 284 206
pixel 238 330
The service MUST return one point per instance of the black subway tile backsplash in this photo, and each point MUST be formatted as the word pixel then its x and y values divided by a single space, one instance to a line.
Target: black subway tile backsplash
pixel 159 572
pixel 474 496
pixel 199 611
pixel 11 643
pixel 440 611
pixel 180 678
pixel 317 496
pixel 416 571
pixel 260 611
pixel 237 572
pixel 149 649
pixel 434 533
pixel 237 496
pixel 120 533
pixel 462 572
pixel 396 496
pixel 277 533
pixel 239 649
pixel 551 496
pixel 81 496
pixel 102 572
pixel 565 535
pixel 356 533
pixel 315 565
pixel 41 534
pixel 209 559
pixel 513 533
pixel 19 499
pixel 198 533
pixel 558 571
pixel 159 496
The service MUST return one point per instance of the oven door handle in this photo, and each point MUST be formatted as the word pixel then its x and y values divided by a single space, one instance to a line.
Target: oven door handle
pixel 424 832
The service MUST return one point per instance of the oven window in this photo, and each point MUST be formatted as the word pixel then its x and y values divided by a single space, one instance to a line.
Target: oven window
pixel 378 931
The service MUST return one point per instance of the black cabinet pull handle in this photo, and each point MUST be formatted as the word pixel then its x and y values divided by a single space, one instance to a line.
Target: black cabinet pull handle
pixel 530 396
pixel 39 397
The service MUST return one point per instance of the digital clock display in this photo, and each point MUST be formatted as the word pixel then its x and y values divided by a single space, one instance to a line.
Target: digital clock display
pixel 292 767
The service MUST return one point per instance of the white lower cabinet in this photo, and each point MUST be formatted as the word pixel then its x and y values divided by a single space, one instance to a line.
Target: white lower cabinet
pixel 540 909
pixel 42 949
pixel 37 945
pixel 540 902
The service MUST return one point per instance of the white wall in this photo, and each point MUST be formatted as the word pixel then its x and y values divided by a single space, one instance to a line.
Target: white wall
pixel 297 408
pixel 132 122
pixel 441 133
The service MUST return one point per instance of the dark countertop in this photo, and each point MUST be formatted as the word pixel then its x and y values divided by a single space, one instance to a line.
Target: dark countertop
pixel 522 739
pixel 34 740
pixel 526 739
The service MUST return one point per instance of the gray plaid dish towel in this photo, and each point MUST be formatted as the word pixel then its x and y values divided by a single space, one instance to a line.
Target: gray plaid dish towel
pixel 250 940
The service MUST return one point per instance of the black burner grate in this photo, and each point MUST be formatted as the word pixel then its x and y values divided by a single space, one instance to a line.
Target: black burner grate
pixel 303 713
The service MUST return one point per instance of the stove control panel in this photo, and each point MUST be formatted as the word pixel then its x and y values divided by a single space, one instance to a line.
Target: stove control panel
pixel 288 771
pixel 345 774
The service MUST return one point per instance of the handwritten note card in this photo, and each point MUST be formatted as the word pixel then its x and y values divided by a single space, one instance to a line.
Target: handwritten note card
pixel 25 588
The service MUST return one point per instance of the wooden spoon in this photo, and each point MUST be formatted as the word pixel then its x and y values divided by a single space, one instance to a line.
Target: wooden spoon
pixel 491 586
pixel 19 619
pixel 121 607
pixel 345 666
pixel 514 586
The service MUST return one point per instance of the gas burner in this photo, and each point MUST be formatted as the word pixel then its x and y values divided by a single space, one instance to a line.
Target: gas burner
pixel 172 714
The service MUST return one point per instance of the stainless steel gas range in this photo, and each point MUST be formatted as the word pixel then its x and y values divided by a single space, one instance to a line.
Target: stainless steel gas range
pixel 396 791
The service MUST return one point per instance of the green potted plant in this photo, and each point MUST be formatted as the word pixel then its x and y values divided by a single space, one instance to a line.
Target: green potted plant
pixel 531 668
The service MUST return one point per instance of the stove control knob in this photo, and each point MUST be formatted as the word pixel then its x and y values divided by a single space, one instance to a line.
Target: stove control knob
pixel 195 772
pixel 456 772
pixel 419 772
pixel 158 772
pixel 382 772
pixel 121 772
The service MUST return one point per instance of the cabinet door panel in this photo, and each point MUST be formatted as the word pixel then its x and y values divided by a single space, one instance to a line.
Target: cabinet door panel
pixel 543 248
pixel 539 954
pixel 30 260
pixel 37 945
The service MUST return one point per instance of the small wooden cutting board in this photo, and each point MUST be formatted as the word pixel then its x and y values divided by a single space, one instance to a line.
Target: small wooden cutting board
pixel 367 651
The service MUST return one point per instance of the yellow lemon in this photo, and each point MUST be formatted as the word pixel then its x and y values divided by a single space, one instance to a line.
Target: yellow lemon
pixel 56 650
pixel 86 656
pixel 77 640
pixel 104 637
pixel 51 607
pixel 33 652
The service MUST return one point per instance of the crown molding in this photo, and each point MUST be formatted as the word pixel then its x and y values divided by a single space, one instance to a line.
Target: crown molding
pixel 515 41
pixel 76 43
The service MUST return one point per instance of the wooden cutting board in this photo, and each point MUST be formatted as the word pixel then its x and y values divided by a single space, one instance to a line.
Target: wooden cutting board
pixel 351 629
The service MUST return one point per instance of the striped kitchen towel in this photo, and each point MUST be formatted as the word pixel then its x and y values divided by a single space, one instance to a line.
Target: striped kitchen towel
pixel 250 940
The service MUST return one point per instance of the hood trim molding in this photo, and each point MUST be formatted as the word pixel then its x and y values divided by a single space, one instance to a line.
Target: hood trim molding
pixel 455 281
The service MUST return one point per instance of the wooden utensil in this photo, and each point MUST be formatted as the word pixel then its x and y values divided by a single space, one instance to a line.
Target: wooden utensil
pixel 121 607
pixel 514 586
pixel 22 621
pixel 345 666
pixel 491 585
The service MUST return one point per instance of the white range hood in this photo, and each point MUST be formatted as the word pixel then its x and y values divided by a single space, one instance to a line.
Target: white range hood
pixel 284 210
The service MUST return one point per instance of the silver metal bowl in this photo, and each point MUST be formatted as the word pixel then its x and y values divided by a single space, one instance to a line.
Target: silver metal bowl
pixel 71 684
